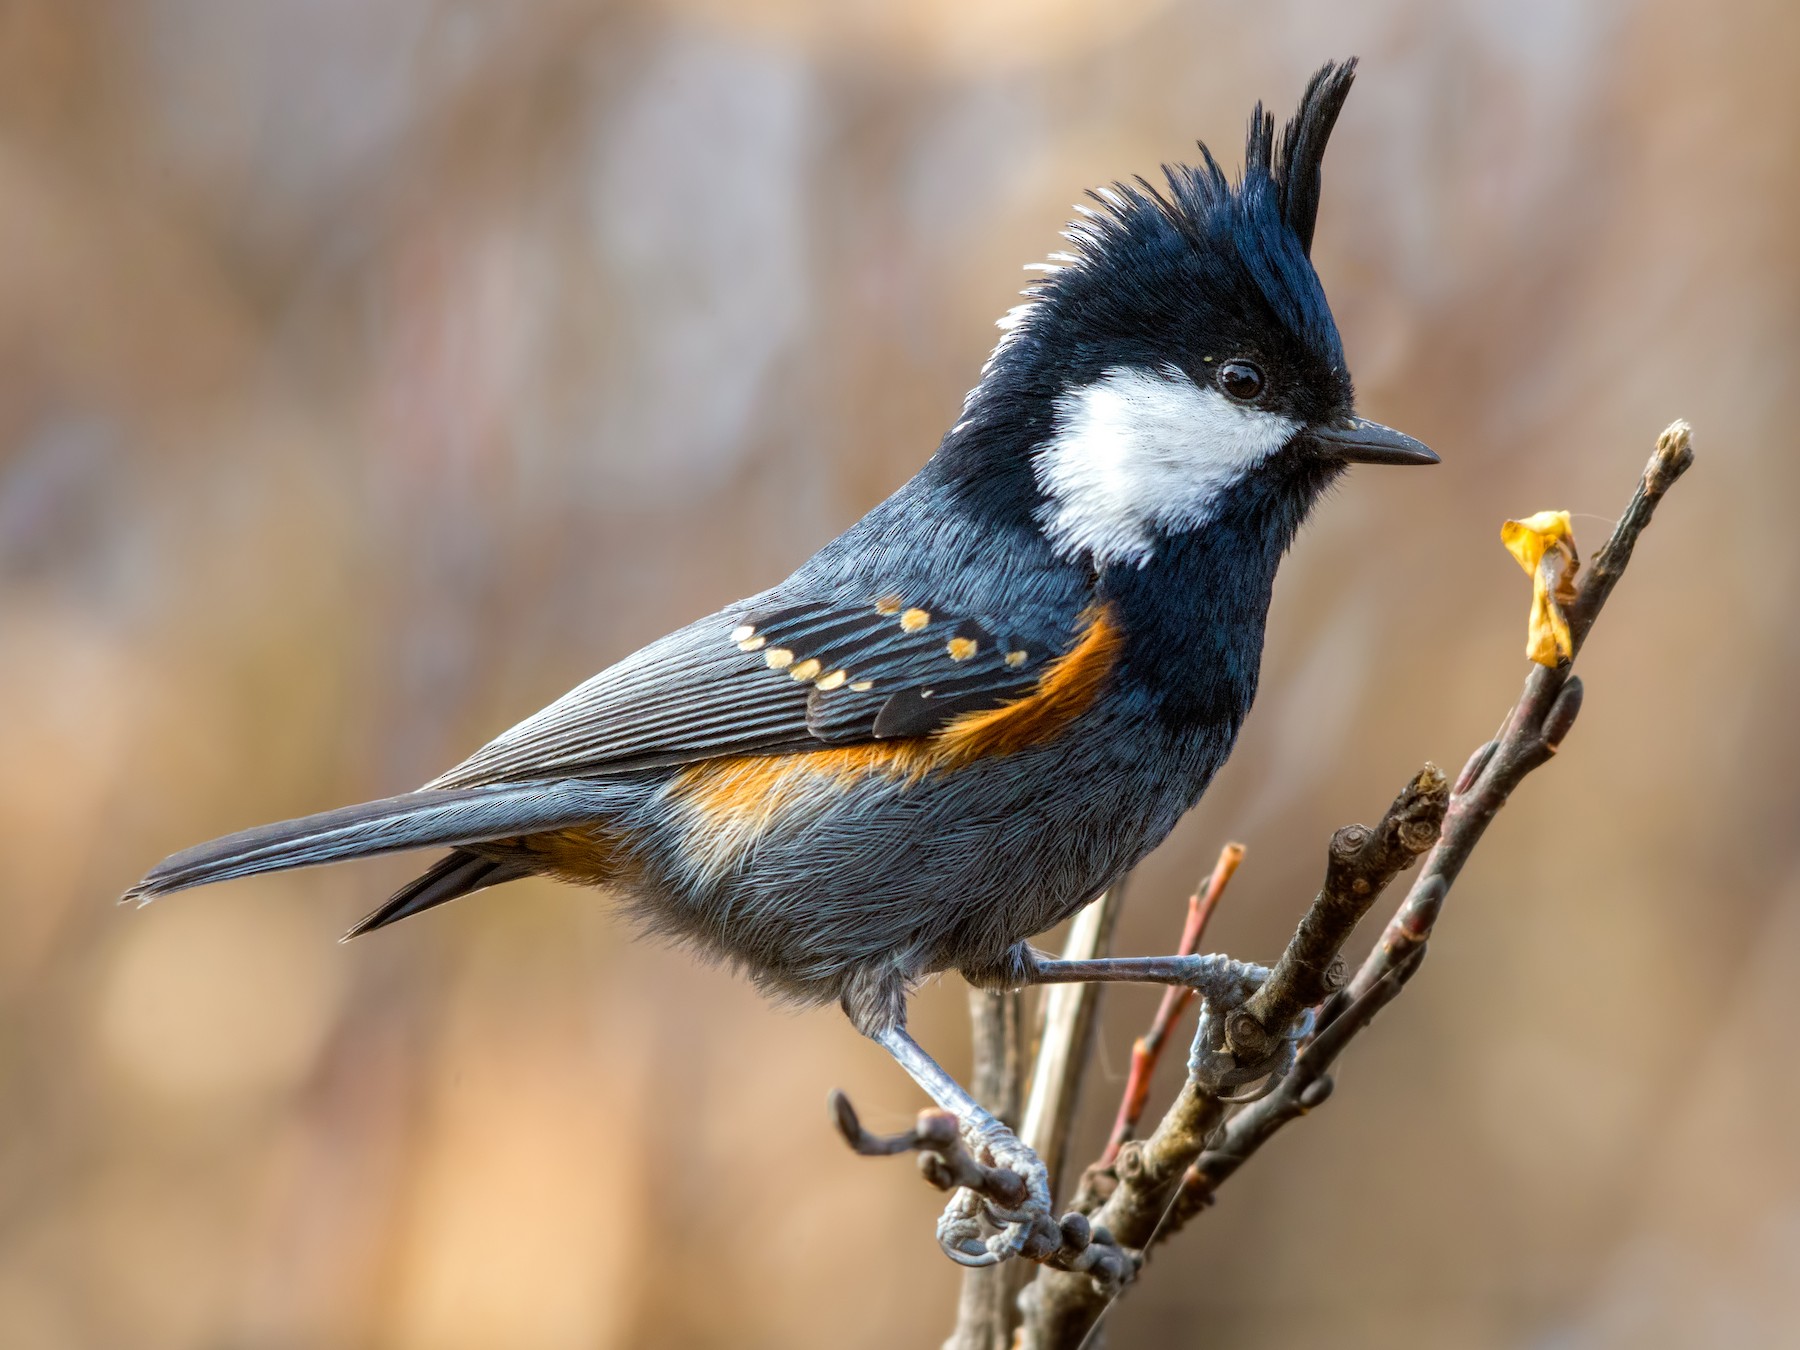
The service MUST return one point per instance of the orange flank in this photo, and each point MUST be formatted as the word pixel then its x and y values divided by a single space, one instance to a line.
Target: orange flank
pixel 586 854
pixel 736 796
pixel 743 792
pixel 1063 693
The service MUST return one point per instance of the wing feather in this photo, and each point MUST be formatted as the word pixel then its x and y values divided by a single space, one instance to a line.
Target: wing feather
pixel 796 675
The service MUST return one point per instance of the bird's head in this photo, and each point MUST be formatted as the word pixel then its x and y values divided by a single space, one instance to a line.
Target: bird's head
pixel 1180 361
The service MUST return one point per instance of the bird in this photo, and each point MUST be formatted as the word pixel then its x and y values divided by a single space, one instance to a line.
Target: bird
pixel 978 707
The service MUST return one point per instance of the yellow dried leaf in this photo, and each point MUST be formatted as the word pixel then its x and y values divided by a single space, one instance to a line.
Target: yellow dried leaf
pixel 1545 547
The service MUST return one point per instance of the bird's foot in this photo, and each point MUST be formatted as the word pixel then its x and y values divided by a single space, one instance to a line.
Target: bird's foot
pixel 1016 1201
pixel 1001 1206
pixel 1225 985
pixel 1028 1228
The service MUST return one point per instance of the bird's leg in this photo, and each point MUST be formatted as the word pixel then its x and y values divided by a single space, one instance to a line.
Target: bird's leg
pixel 1029 1225
pixel 1223 985
pixel 1217 979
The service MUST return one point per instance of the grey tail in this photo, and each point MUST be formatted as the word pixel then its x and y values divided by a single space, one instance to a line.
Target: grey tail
pixel 417 820
pixel 450 878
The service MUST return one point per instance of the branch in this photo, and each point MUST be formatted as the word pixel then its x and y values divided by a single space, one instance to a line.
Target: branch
pixel 1306 1087
pixel 1134 1198
pixel 1065 1039
pixel 1534 729
pixel 1081 1249
pixel 1360 864
pixel 985 1312
pixel 1061 1313
pixel 998 1076
pixel 942 1158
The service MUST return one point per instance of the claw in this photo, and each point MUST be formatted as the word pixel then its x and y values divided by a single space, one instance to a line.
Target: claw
pixel 1211 1064
pixel 959 1232
pixel 996 1182
pixel 971 1254
pixel 1009 1241
pixel 1025 1229
pixel 1004 1151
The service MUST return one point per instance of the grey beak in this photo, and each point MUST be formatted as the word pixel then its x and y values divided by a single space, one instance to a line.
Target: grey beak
pixel 1359 441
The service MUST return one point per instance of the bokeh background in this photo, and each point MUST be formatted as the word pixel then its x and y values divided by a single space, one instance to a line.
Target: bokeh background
pixel 373 370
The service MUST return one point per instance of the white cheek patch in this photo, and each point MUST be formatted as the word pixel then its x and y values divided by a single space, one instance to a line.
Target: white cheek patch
pixel 1140 452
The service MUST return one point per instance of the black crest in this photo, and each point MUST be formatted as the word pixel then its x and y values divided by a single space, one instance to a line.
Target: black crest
pixel 1172 274
pixel 1127 231
pixel 1296 167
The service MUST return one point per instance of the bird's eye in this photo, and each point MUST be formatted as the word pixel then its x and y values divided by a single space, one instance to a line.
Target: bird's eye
pixel 1240 380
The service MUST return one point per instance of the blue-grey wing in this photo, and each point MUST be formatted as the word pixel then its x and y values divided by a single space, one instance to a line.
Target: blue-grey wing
pixel 775 674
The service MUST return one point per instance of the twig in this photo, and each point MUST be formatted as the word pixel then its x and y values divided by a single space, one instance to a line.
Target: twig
pixel 1530 735
pixel 1359 865
pixel 1074 1245
pixel 985 1310
pixel 1061 1313
pixel 937 1140
pixel 1065 1039
pixel 1146 1052
pixel 1533 730
pixel 997 1031
pixel 1146 1175
pixel 1303 1089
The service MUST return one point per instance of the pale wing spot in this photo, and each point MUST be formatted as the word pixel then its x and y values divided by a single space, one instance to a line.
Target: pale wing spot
pixel 862 686
pixel 1015 659
pixel 751 644
pixel 914 619
pixel 832 681
pixel 806 669
pixel 961 648
pixel 779 658
pixel 888 604
pixel 743 633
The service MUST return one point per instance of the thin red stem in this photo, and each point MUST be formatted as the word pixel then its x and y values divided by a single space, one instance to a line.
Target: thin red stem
pixel 1146 1052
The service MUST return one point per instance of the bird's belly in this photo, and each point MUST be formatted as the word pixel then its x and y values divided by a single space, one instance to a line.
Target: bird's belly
pixel 804 868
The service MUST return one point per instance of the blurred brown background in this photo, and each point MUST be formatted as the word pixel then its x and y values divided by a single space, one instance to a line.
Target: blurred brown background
pixel 373 370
